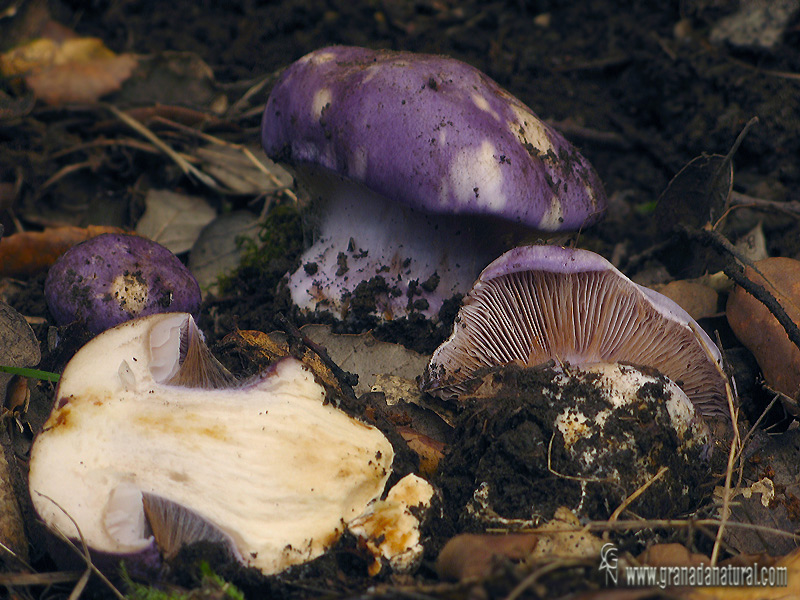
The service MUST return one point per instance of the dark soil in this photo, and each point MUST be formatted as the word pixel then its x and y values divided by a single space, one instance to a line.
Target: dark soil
pixel 506 441
pixel 636 85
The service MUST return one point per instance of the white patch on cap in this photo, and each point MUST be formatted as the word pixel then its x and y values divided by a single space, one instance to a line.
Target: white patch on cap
pixel 476 177
pixel 322 97
pixel 131 293
pixel 370 72
pixel 317 57
pixel 358 164
pixel 551 218
pixel 529 129
pixel 483 104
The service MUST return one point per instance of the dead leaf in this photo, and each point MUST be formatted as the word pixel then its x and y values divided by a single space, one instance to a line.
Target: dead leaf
pixel 791 592
pixel 174 220
pixel 27 253
pixel 18 345
pixel 753 244
pixel 267 348
pixel 177 78
pixel 697 194
pixel 671 555
pixel 218 249
pixel 81 83
pixel 469 556
pixel 233 169
pixel 75 70
pixel 697 299
pixel 759 330
pixel 472 556
pixel 367 357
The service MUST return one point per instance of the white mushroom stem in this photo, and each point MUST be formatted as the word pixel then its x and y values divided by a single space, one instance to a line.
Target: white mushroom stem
pixel 360 234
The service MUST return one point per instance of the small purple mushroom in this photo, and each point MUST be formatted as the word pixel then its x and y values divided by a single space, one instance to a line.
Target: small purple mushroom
pixel 421 167
pixel 535 304
pixel 112 278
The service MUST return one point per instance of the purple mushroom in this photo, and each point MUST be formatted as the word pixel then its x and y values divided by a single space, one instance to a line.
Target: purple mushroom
pixel 112 278
pixel 421 168
pixel 536 304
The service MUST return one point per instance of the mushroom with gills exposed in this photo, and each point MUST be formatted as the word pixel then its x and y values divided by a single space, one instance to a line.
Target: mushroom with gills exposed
pixel 150 448
pixel 577 387
pixel 543 303
pixel 422 169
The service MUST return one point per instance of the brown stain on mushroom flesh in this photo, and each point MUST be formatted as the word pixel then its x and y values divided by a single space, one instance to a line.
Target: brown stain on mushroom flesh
pixel 183 425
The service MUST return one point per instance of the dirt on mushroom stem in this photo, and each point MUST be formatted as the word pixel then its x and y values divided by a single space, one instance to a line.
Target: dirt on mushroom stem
pixel 502 442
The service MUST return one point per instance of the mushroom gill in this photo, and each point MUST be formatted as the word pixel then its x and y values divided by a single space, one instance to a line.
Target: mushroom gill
pixel 540 303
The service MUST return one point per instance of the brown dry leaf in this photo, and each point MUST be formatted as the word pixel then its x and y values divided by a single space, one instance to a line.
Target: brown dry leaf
pixel 78 70
pixel 232 168
pixel 218 249
pixel 266 348
pixel 671 555
pixel 791 592
pixel 761 333
pixel 18 348
pixel 363 355
pixel 472 556
pixel 367 357
pixel 468 556
pixel 30 252
pixel 81 83
pixel 174 220
pixel 429 450
pixel 771 502
pixel 697 299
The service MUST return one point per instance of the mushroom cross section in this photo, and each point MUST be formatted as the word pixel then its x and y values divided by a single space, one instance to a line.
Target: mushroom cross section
pixel 133 458
pixel 535 304
pixel 419 165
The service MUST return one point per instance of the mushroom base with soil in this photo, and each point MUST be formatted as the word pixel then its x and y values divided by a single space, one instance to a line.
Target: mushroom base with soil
pixel 413 261
pixel 532 440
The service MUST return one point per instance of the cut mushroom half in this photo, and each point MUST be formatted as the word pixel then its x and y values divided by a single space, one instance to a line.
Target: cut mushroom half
pixel 134 458
pixel 536 304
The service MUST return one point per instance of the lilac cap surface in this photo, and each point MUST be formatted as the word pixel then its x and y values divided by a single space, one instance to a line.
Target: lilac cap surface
pixel 112 278
pixel 431 132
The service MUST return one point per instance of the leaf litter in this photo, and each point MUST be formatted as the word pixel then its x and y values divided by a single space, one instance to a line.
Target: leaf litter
pixel 137 165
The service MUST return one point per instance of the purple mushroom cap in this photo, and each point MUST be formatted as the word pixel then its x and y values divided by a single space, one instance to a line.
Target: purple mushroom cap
pixel 431 132
pixel 540 303
pixel 112 278
pixel 394 145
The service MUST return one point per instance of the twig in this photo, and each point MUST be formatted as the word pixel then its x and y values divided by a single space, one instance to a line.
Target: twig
pixel 627 502
pixel 538 573
pixel 280 187
pixel 188 170
pixel 346 379
pixel 736 272
pixel 90 567
pixel 45 579
pixel 570 477
pixel 739 200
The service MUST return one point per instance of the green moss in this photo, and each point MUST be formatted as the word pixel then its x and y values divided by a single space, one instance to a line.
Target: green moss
pixel 280 238
pixel 211 586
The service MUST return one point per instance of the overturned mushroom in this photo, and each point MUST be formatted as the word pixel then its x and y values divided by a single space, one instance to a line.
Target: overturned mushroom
pixel 535 304
pixel 421 167
pixel 135 459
